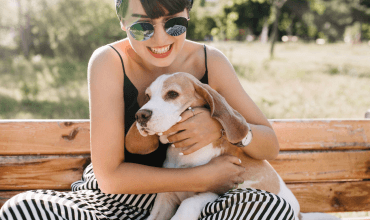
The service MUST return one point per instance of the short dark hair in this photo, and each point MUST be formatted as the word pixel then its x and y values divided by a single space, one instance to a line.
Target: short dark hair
pixel 154 8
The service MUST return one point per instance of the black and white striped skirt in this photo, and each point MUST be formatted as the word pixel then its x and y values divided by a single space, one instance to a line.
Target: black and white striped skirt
pixel 87 202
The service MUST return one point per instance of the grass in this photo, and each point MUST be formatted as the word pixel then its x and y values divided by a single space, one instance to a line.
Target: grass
pixel 304 80
pixel 43 88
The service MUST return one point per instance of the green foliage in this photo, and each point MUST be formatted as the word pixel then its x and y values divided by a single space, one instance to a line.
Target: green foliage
pixel 366 31
pixel 250 13
pixel 77 28
pixel 317 6
pixel 71 29
pixel 200 27
pixel 231 28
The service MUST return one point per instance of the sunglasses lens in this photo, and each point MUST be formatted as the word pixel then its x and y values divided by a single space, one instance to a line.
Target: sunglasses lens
pixel 176 26
pixel 142 31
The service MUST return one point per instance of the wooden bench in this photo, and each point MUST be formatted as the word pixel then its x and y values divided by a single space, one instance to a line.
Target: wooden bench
pixel 326 163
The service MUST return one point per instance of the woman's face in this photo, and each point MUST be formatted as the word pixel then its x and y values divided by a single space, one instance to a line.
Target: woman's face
pixel 161 49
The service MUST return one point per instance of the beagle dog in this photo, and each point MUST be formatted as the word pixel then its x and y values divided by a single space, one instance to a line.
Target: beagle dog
pixel 168 97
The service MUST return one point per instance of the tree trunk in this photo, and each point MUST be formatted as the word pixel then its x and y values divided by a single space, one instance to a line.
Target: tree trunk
pixel 278 4
pixel 274 31
pixel 24 29
pixel 265 31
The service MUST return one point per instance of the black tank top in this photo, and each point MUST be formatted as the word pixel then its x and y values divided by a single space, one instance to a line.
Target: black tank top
pixel 157 157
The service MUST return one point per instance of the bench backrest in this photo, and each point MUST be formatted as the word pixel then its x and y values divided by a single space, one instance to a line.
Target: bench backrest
pixel 326 163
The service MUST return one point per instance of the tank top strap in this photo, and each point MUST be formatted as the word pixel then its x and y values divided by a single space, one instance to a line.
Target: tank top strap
pixel 204 79
pixel 126 79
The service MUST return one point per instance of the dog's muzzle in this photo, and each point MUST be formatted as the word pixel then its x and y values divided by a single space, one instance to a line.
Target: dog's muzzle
pixel 143 116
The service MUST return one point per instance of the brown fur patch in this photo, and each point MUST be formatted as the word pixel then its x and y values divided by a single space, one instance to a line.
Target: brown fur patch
pixel 256 170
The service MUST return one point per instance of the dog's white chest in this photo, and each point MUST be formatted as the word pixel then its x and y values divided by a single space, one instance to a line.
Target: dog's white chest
pixel 199 157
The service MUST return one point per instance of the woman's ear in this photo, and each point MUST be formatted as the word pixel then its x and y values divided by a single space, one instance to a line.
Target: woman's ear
pixel 123 27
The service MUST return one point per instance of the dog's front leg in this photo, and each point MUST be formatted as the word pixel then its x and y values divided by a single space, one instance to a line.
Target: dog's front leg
pixel 164 206
pixel 191 208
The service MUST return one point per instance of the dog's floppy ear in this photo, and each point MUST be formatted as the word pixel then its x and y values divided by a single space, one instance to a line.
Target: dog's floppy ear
pixel 234 124
pixel 137 144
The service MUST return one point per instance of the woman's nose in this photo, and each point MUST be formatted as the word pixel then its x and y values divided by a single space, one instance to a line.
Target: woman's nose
pixel 160 34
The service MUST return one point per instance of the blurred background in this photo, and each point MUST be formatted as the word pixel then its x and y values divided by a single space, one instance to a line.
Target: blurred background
pixel 295 58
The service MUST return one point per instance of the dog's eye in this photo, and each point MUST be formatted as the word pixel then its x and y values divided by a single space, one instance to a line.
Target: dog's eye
pixel 172 94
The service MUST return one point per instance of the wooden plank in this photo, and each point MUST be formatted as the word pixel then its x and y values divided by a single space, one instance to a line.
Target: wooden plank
pixel 58 171
pixel 322 134
pixel 300 166
pixel 72 136
pixel 41 172
pixel 312 197
pixel 44 137
pixel 332 196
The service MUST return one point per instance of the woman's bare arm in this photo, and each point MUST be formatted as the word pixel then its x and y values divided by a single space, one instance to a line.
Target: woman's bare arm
pixel 114 175
pixel 224 80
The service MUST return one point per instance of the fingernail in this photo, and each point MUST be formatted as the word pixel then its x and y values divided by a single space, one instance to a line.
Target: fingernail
pixel 181 153
pixel 240 161
pixel 172 145
pixel 160 133
pixel 179 119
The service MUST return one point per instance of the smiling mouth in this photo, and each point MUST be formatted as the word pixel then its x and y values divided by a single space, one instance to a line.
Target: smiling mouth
pixel 161 50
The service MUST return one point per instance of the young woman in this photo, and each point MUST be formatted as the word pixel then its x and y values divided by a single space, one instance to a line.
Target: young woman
pixel 123 185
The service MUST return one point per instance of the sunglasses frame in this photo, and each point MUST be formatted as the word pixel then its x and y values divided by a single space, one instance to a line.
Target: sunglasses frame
pixel 162 23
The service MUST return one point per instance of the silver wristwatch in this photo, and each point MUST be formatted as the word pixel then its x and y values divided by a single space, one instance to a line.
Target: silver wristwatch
pixel 247 139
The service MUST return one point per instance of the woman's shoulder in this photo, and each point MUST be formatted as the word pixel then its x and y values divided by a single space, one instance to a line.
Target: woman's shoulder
pixel 105 62
pixel 108 51
pixel 197 49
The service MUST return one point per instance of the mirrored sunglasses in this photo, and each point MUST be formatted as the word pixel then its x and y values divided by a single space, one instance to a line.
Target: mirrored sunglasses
pixel 143 31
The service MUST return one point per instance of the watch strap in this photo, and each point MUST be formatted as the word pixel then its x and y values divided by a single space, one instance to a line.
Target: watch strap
pixel 247 139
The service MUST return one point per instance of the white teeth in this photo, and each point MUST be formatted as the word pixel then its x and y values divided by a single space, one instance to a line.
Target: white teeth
pixel 160 50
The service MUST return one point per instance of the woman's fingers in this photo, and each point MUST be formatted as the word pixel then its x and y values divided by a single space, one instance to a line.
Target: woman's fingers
pixel 184 116
pixel 191 113
pixel 224 173
pixel 179 137
pixel 191 149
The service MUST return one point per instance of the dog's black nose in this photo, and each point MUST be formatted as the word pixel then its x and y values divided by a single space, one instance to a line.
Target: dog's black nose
pixel 142 116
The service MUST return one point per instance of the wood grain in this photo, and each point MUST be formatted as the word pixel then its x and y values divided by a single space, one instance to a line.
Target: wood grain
pixel 333 196
pixel 44 137
pixel 298 166
pixel 72 136
pixel 322 134
pixel 59 171
pixel 326 163
pixel 41 172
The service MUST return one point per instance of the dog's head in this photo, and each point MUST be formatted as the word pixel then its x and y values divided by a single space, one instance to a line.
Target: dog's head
pixel 170 95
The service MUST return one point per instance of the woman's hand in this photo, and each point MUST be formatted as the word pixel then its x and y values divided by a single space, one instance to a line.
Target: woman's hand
pixel 222 174
pixel 195 130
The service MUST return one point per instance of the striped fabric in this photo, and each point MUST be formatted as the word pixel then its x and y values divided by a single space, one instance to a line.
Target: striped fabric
pixel 87 202
pixel 248 204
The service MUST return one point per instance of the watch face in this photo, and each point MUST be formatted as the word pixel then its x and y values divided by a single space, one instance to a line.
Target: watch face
pixel 245 141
